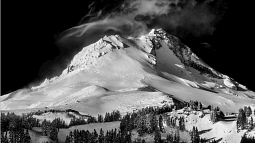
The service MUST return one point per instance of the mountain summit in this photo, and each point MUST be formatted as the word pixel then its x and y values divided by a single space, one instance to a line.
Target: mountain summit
pixel 126 73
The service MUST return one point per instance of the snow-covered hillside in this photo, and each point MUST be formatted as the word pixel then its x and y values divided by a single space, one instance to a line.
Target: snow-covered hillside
pixel 109 74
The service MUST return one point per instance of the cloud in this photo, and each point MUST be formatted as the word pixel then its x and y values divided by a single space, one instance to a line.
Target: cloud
pixel 182 18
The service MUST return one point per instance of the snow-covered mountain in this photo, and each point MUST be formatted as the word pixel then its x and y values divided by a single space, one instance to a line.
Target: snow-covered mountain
pixel 113 73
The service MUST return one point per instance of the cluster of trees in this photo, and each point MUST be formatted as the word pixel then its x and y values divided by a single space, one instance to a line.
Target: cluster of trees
pixel 246 139
pixel 214 115
pixel 113 116
pixel 14 128
pixel 147 120
pixel 182 123
pixel 51 129
pixel 111 136
pixel 59 123
pixel 17 128
pixel 244 119
pixel 26 121
pixel 180 105
pixel 80 121
pixel 157 135
pixel 171 122
pixel 150 120
pixel 148 124
pixel 40 112
pixel 173 138
pixel 194 135
pixel 17 133
pixel 109 117
pixel 16 125
pixel 67 111
pixel 195 105
pixel 155 110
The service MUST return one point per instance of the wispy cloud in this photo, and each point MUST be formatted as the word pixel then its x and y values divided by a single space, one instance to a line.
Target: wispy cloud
pixel 136 17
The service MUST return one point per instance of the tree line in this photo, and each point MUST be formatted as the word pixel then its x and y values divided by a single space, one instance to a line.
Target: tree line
pixel 145 120
pixel 246 139
pixel 111 136
pixel 244 119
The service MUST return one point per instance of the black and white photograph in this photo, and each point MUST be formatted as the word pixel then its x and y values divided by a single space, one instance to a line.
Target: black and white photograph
pixel 127 71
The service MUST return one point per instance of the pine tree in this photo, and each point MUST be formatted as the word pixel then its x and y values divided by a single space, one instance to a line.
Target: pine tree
pixel 161 127
pixel 245 109
pixel 141 126
pixel 128 138
pixel 194 135
pixel 71 137
pixel 157 137
pixel 241 119
pixel 4 138
pixel 67 139
pixel 199 106
pixel 44 127
pixel 11 136
pixel 101 136
pixel 168 121
pixel 106 117
pixel 251 124
pixel 153 122
pixel 20 134
pixel 182 124
pixel 213 115
pixel 197 136
pixel 169 138
pixel 177 137
pixel 53 133
pixel 248 111
pixel 100 118
pixel 95 136
pixel 27 137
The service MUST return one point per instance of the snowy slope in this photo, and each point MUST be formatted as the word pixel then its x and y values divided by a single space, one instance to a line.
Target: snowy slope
pixel 112 70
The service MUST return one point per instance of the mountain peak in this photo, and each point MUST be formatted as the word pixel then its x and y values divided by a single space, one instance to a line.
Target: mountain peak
pixel 155 40
pixel 156 60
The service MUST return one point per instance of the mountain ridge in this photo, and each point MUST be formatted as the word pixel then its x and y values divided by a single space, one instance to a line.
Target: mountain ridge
pixel 120 65
pixel 184 53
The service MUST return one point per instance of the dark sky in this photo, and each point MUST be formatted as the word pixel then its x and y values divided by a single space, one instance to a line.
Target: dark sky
pixel 30 28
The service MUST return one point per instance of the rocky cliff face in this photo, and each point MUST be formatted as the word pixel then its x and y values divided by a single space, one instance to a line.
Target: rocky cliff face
pixel 190 59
